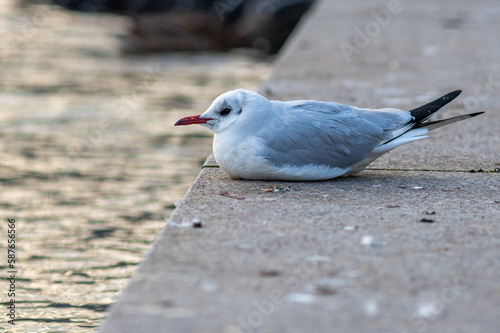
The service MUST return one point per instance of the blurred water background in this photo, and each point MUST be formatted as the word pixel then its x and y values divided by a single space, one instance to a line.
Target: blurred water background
pixel 91 163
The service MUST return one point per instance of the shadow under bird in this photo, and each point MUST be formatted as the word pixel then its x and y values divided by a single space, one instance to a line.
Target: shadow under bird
pixel 307 140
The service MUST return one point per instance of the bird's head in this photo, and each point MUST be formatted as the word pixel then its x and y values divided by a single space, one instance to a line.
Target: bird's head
pixel 236 110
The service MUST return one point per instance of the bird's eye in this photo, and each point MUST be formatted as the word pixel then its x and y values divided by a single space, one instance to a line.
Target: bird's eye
pixel 225 111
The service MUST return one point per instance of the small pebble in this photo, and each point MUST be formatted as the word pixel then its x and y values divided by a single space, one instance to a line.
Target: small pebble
pixel 300 298
pixel 351 227
pixel 318 258
pixel 430 310
pixel 330 286
pixel 269 273
pixel 371 308
pixel 209 286
pixel 196 223
pixel 368 240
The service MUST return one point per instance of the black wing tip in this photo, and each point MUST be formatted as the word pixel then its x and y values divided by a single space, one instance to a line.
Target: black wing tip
pixel 424 112
pixel 439 123
pixel 476 114
pixel 450 96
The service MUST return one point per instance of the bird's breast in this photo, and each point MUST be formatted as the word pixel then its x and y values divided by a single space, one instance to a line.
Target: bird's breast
pixel 238 159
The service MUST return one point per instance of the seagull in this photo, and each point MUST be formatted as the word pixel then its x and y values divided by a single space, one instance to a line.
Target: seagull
pixel 307 140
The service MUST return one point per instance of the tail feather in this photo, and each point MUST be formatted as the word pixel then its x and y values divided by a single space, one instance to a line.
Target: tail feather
pixel 421 114
pixel 430 125
pixel 424 112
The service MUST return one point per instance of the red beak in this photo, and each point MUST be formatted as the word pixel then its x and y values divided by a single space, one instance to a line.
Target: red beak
pixel 192 120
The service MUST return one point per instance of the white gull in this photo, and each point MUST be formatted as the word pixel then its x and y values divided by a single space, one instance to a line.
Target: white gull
pixel 303 140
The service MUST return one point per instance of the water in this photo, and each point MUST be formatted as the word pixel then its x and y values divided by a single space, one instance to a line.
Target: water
pixel 91 164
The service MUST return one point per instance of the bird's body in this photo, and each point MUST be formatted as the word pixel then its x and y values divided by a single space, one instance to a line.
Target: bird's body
pixel 256 138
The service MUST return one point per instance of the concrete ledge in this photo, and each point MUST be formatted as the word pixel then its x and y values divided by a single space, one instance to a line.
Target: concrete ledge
pixel 386 251
pixel 405 250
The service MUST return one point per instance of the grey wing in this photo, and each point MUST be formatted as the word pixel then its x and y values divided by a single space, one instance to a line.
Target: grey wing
pixel 331 134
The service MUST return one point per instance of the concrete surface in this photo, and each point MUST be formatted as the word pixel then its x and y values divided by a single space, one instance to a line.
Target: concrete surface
pixel 406 248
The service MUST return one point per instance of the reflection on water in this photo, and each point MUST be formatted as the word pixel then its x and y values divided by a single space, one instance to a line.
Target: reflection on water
pixel 91 164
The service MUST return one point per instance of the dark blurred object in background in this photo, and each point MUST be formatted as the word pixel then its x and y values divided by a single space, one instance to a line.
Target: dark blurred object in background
pixel 196 25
